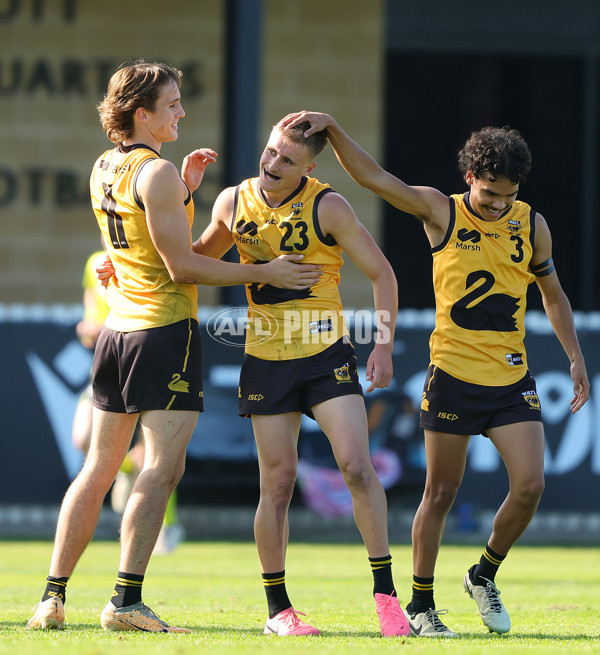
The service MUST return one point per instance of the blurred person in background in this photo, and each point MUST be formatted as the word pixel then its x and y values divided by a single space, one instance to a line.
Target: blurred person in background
pixel 487 248
pixel 95 311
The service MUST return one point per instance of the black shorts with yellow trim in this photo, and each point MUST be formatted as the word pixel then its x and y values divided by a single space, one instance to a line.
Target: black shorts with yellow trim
pixel 295 385
pixel 159 368
pixel 457 407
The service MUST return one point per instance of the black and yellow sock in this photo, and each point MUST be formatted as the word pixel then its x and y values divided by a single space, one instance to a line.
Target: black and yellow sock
pixel 128 589
pixel 277 598
pixel 488 567
pixel 422 595
pixel 55 588
pixel 381 567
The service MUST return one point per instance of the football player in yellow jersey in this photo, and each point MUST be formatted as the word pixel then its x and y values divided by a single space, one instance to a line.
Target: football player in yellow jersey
pixel 313 370
pixel 487 247
pixel 147 362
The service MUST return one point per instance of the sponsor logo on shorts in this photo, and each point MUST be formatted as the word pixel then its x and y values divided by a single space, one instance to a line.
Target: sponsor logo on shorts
pixel 514 359
pixel 448 416
pixel 424 402
pixel 532 399
pixel 255 396
pixel 342 374
pixel 179 385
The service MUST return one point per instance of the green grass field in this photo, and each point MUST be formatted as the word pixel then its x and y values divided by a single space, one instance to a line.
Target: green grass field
pixel 552 595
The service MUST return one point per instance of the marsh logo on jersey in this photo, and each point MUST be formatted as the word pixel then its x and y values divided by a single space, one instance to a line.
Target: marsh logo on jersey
pixel 514 226
pixel 250 228
pixel 464 235
pixel 532 399
pixel 514 359
pixel 246 232
pixel 469 235
pixel 342 374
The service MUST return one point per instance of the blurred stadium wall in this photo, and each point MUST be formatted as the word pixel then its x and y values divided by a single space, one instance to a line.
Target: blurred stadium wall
pixel 408 80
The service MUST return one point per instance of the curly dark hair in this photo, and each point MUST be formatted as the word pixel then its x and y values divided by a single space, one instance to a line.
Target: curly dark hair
pixel 315 142
pixel 497 152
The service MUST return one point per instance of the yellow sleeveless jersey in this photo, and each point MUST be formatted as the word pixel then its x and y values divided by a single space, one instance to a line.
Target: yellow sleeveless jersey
pixel 285 324
pixel 481 275
pixel 143 296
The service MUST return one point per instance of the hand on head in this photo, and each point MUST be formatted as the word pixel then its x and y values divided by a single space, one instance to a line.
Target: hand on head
pixel 317 120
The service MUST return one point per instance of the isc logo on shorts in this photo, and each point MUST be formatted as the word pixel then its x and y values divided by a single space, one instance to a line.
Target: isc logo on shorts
pixel 255 396
pixel 448 416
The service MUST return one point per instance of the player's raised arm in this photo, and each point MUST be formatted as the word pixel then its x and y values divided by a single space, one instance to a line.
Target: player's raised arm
pixel 426 203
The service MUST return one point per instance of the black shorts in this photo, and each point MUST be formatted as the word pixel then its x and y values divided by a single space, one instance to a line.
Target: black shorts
pixel 451 405
pixel 159 368
pixel 295 385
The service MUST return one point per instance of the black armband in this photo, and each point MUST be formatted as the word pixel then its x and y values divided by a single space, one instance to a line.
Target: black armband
pixel 545 268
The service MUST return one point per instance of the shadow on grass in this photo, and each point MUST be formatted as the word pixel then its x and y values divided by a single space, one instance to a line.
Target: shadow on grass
pixel 516 636
pixel 220 632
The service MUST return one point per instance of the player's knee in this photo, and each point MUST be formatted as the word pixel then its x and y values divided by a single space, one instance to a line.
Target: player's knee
pixel 357 475
pixel 530 491
pixel 279 488
pixel 441 497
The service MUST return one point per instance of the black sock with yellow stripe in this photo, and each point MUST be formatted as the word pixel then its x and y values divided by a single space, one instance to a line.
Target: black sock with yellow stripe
pixel 55 588
pixel 422 595
pixel 277 597
pixel 128 589
pixel 488 566
pixel 381 568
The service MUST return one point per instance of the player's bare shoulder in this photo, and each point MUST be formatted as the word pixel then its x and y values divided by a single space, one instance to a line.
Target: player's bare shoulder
pixel 224 206
pixel 434 214
pixel 335 213
pixel 158 178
